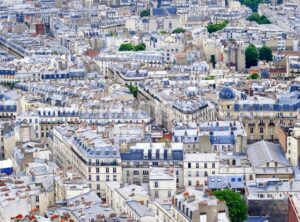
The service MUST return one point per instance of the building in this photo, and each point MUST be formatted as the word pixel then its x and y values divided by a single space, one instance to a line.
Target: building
pixel 293 208
pixel 94 158
pixel 87 206
pixel 197 167
pixel 259 114
pixel 193 205
pixel 162 183
pixel 268 160
pixel 218 136
pixel 289 138
pixel 271 188
pixel 118 195
pixel 233 182
pixel 139 159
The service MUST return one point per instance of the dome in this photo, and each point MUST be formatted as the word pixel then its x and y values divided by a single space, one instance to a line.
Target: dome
pixel 265 74
pixel 226 93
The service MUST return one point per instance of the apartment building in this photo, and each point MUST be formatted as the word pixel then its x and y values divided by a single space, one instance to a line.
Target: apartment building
pixel 197 167
pixel 259 114
pixel 91 155
pixel 289 140
pixel 138 161
pixel 191 205
pixel 162 183
pixel 218 136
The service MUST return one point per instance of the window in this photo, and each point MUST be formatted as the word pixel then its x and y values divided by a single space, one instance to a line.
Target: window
pixel 261 196
pixel 114 170
pixel 205 173
pixel 232 179
pixel 98 178
pixel 213 165
pixel 107 177
pixel 90 177
pixel 251 130
pixel 190 183
pixel 37 199
pixel 169 193
pixel 197 165
pixel 98 186
pixel 189 165
pixel 136 172
pixel 156 184
pixel 97 170
pixel 205 165
pixel 114 177
pixel 89 169
pixel 261 130
pixel 189 173
pixel 107 170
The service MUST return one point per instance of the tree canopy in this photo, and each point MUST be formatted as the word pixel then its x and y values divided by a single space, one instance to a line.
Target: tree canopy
pixel 126 47
pixel 236 204
pixel 265 53
pixel 253 76
pixel 10 85
pixel 139 47
pixel 216 27
pixel 133 90
pixel 251 55
pixel 258 18
pixel 130 47
pixel 253 4
pixel 178 30
pixel 145 13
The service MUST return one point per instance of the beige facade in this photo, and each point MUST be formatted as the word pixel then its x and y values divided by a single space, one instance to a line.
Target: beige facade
pixel 94 169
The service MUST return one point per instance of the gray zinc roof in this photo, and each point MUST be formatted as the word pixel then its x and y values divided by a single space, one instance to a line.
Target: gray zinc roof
pixel 262 152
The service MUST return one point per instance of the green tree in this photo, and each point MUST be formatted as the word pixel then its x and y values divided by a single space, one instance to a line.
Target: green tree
pixel 126 47
pixel 209 78
pixel 178 30
pixel 145 13
pixel 236 204
pixel 140 47
pixel 216 27
pixel 251 55
pixel 133 90
pixel 279 2
pixel 253 4
pixel 259 19
pixel 265 53
pixel 27 24
pixel 10 85
pixel 254 76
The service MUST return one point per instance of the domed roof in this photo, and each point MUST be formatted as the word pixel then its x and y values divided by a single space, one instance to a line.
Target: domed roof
pixel 226 93
pixel 265 74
